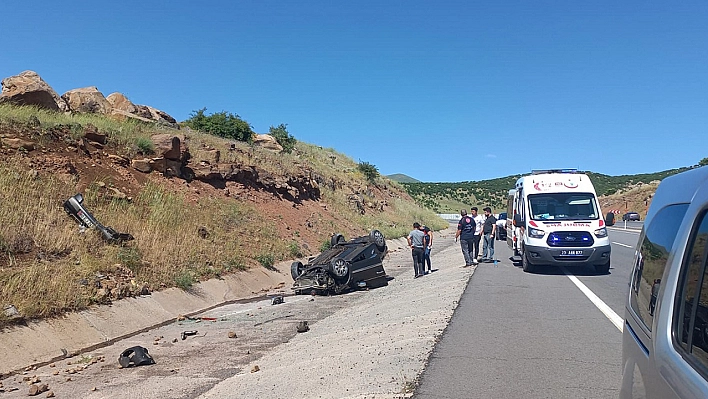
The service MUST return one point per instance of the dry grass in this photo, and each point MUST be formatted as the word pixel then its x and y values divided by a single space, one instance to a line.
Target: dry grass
pixel 48 266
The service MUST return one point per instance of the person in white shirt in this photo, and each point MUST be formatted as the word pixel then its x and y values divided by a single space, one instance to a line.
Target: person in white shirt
pixel 479 223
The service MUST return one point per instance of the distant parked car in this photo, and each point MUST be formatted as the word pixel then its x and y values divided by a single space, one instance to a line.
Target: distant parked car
pixel 630 216
pixel 501 227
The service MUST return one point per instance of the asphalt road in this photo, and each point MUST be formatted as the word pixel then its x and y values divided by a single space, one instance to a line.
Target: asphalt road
pixel 522 335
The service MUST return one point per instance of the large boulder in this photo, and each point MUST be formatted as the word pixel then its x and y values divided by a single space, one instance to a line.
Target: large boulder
pixel 268 142
pixel 121 102
pixel 168 146
pixel 121 115
pixel 87 100
pixel 162 117
pixel 28 88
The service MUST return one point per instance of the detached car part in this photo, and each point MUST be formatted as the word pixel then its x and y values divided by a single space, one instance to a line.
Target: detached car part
pixel 135 356
pixel 357 263
pixel 75 208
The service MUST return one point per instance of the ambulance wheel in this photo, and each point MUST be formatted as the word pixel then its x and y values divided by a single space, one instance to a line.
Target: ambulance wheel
pixel 525 264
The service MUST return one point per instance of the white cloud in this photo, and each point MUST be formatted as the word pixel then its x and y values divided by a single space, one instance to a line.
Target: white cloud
pixel 491 156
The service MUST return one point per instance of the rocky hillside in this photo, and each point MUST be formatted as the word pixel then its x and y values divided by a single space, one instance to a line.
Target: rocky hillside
pixel 197 206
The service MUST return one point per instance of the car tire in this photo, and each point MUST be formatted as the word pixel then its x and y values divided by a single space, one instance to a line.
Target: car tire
pixel 603 269
pixel 378 239
pixel 610 219
pixel 336 239
pixel 340 269
pixel 296 269
pixel 526 265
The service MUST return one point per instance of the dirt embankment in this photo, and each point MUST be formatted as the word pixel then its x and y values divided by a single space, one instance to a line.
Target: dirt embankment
pixel 632 199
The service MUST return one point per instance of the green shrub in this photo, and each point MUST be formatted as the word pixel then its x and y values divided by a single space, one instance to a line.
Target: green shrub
pixel 185 280
pixel 222 124
pixel 130 257
pixel 326 244
pixel 294 249
pixel 145 145
pixel 281 135
pixel 266 260
pixel 234 264
pixel 370 171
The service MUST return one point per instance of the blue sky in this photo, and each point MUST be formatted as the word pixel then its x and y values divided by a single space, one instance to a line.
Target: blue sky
pixel 442 91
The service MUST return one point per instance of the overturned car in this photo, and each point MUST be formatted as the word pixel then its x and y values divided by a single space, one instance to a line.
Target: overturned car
pixel 357 263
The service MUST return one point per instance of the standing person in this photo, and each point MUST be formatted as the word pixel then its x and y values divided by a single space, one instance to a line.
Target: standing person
pixel 489 230
pixel 465 232
pixel 478 223
pixel 428 244
pixel 415 241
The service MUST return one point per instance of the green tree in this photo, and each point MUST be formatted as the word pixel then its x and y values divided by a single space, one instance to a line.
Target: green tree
pixel 222 124
pixel 703 162
pixel 370 171
pixel 281 135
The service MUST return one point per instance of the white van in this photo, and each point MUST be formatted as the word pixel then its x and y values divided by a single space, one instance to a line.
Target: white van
pixel 555 219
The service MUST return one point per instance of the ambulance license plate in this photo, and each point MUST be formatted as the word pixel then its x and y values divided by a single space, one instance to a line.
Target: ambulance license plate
pixel 571 252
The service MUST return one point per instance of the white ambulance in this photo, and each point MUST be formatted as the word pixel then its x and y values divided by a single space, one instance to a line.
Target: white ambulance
pixel 554 218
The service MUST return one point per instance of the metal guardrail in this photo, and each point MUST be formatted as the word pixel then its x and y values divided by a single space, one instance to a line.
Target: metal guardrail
pixel 450 217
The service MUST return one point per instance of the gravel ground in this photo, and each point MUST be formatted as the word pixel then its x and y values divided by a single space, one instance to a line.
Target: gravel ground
pixel 375 348
pixel 364 344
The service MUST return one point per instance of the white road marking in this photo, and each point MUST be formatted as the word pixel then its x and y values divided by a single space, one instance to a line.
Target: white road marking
pixel 628 231
pixel 624 245
pixel 606 310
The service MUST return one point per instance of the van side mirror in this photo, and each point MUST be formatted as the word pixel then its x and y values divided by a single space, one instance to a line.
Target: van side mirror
pixel 610 219
pixel 518 221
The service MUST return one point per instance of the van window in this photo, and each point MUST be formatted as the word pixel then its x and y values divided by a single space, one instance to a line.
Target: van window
pixel 692 298
pixel 657 241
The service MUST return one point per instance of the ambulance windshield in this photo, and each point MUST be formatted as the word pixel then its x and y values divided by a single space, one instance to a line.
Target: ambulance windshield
pixel 563 206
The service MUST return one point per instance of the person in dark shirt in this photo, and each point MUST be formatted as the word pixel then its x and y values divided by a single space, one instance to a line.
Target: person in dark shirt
pixel 428 244
pixel 489 229
pixel 465 233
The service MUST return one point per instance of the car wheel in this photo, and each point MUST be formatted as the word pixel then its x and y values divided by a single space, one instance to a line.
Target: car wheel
pixel 526 265
pixel 610 219
pixel 379 240
pixel 340 268
pixel 336 239
pixel 603 269
pixel 296 269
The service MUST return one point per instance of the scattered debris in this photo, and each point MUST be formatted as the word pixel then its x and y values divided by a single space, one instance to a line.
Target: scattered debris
pixel 276 300
pixel 232 334
pixel 136 356
pixel 11 311
pixel 186 334
pixel 255 369
pixel 277 318
pixel 303 326
pixel 35 389
pixel 74 207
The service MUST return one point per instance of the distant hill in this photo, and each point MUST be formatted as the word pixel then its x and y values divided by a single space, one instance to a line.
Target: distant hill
pixel 401 178
pixel 451 197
